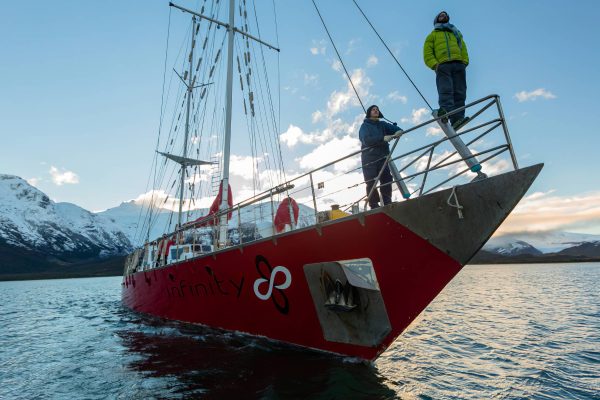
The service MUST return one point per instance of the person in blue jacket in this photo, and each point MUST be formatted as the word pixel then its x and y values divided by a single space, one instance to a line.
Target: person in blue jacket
pixel 374 136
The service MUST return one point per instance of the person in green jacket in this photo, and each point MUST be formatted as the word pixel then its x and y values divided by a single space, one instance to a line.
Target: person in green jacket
pixel 445 52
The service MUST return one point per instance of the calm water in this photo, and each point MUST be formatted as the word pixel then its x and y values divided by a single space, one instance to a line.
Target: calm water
pixel 511 331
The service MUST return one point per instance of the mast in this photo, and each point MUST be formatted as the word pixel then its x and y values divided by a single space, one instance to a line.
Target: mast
pixel 190 87
pixel 227 140
pixel 231 29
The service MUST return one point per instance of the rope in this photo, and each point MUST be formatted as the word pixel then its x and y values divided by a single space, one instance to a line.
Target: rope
pixel 456 204
pixel 339 57
pixel 139 230
pixel 392 54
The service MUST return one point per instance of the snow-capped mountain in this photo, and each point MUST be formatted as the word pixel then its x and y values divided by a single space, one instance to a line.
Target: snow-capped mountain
pixel 512 248
pixel 586 249
pixel 129 215
pixel 31 221
pixel 545 242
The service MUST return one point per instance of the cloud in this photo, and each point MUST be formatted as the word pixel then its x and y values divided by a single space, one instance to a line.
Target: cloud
pixel 336 65
pixel 372 61
pixel 544 211
pixel 34 181
pixel 396 96
pixel 332 150
pixel 340 101
pixel 244 166
pixel 295 135
pixel 337 188
pixel 434 131
pixel 417 116
pixel 63 177
pixel 318 47
pixel 533 95
pixel 316 116
pixel 158 199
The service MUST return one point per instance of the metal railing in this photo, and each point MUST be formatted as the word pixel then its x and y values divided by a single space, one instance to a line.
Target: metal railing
pixel 431 165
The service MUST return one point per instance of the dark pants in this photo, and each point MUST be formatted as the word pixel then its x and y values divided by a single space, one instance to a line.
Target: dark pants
pixel 451 80
pixel 370 172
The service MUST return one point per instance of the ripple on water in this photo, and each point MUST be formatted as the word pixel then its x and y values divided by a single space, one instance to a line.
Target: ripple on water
pixel 518 331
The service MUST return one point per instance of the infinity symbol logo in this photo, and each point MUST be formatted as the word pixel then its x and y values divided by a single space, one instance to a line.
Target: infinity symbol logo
pixel 273 272
pixel 284 285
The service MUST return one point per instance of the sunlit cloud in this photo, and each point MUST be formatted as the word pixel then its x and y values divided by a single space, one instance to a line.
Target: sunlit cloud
pixel 434 131
pixel 332 150
pixel 337 189
pixel 545 211
pixel 316 116
pixel 244 166
pixel 201 175
pixel 295 135
pixel 534 94
pixel 63 177
pixel 417 116
pixel 34 181
pixel 340 101
pixel 396 96
pixel 157 199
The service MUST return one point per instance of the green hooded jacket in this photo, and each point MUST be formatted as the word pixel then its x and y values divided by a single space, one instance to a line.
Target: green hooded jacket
pixel 441 46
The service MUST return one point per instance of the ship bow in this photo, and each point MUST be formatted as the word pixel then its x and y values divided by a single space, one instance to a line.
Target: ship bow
pixel 459 220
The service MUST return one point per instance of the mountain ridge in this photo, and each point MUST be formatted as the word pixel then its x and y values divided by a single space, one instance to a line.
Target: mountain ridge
pixel 39 237
pixel 49 233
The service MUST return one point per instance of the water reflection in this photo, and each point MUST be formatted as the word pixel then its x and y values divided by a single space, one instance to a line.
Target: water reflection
pixel 183 360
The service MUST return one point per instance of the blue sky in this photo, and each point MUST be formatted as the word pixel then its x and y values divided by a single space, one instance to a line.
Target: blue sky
pixel 81 84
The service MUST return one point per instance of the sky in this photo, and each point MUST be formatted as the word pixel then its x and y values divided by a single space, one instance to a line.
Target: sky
pixel 81 85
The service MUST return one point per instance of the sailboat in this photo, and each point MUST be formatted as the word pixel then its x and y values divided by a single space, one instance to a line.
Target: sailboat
pixel 303 261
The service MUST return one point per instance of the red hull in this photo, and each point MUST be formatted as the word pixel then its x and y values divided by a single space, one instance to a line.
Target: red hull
pixel 219 290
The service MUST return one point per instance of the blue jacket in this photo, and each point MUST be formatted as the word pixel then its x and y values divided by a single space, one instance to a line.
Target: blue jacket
pixel 371 133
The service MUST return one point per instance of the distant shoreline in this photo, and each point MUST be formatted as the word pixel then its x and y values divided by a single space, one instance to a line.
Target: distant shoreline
pixel 50 275
pixel 115 267
pixel 485 257
pixel 112 266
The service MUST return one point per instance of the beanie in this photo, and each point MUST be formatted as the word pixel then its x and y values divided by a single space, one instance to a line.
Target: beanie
pixel 435 21
pixel 369 111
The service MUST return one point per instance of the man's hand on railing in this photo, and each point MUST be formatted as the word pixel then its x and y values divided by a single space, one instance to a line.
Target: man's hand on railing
pixel 396 135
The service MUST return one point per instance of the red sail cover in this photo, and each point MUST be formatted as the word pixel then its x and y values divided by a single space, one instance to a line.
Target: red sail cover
pixel 282 217
pixel 214 208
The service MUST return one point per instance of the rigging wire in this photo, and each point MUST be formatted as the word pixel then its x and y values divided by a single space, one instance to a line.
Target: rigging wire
pixel 339 57
pixel 278 93
pixel 276 125
pixel 392 54
pixel 268 147
pixel 160 171
pixel 157 140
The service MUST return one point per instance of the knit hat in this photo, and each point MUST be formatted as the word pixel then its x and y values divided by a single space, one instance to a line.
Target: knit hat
pixel 369 111
pixel 435 21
